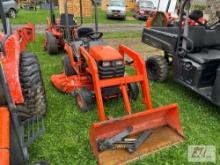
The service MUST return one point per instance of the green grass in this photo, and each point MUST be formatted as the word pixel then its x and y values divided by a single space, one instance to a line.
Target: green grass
pixel 66 141
pixel 36 17
pixel 39 17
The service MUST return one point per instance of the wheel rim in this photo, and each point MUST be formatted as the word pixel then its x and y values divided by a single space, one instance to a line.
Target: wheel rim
pixel 12 14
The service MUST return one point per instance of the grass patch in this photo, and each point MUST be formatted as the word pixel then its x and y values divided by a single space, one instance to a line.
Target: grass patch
pixel 39 17
pixel 36 17
pixel 66 141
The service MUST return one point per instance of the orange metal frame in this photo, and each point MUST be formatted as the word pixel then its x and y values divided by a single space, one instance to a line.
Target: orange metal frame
pixel 14 46
pixel 121 81
pixel 69 84
pixel 4 136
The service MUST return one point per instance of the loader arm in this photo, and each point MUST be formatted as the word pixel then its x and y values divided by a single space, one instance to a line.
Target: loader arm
pixel 13 46
pixel 26 34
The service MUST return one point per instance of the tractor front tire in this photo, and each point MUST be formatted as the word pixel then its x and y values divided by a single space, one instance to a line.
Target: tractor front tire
pixel 84 99
pixel 32 86
pixel 157 68
pixel 67 67
pixel 51 44
pixel 133 91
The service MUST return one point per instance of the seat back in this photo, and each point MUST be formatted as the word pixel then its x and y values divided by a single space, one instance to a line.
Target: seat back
pixel 70 18
pixel 204 38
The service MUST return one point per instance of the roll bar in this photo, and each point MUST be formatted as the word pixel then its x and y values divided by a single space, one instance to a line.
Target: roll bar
pixel 182 8
pixel 3 18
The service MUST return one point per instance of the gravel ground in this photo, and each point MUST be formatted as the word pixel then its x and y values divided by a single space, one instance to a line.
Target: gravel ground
pixel 103 28
pixel 135 44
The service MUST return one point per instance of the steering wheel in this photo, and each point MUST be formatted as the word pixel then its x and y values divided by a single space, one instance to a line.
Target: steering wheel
pixel 94 35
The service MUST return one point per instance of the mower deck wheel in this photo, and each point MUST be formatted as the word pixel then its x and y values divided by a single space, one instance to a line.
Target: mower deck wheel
pixel 84 99
pixel 68 69
pixel 133 91
pixel 52 46
pixel 157 68
pixel 32 86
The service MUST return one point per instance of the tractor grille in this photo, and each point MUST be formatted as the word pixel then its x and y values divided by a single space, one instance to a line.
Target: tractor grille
pixel 111 71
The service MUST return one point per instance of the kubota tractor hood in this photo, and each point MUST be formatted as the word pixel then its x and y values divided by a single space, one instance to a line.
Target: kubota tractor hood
pixel 105 53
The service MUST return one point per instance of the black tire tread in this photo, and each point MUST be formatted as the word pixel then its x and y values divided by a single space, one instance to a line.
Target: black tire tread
pixel 32 86
pixel 52 46
pixel 133 91
pixel 86 95
pixel 162 68
pixel 68 69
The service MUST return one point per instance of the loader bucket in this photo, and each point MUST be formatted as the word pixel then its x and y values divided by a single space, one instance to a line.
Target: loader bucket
pixel 164 123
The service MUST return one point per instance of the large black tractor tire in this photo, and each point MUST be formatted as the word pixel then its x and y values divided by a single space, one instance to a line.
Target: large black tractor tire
pixel 67 67
pixel 133 91
pixel 32 86
pixel 84 99
pixel 52 45
pixel 157 68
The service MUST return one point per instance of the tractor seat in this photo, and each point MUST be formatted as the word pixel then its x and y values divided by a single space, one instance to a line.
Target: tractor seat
pixel 63 20
pixel 205 56
pixel 206 44
pixel 83 31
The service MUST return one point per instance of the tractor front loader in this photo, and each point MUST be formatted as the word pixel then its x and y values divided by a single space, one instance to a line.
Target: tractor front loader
pixel 95 72
pixel 22 95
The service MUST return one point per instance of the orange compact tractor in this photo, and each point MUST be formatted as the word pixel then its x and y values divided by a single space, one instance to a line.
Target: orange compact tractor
pixel 22 97
pixel 161 19
pixel 57 30
pixel 95 72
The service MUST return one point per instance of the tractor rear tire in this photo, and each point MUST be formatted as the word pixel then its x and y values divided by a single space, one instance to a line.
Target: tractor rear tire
pixel 133 91
pixel 67 67
pixel 157 68
pixel 52 46
pixel 84 99
pixel 32 86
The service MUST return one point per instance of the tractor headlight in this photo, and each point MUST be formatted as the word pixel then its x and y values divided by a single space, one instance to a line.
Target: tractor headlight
pixel 106 64
pixel 118 63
